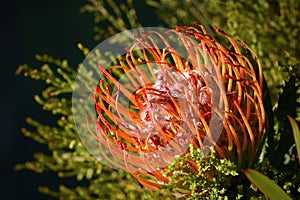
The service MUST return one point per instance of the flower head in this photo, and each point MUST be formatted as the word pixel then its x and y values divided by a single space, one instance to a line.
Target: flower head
pixel 159 99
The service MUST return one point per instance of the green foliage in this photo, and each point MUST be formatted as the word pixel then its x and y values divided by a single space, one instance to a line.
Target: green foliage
pixel 271 28
pixel 116 17
pixel 212 179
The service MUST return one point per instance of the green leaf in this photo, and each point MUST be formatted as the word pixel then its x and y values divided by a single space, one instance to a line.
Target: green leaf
pixel 296 133
pixel 268 187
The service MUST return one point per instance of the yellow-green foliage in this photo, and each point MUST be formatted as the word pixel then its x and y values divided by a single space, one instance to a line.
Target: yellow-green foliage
pixel 212 180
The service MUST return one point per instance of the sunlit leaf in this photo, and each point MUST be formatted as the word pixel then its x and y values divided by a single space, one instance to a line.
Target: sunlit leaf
pixel 267 186
pixel 296 133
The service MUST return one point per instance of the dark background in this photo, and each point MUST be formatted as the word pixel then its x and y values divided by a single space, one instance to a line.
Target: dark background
pixel 29 27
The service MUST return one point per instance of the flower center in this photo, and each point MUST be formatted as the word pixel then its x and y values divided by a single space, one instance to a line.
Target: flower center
pixel 169 111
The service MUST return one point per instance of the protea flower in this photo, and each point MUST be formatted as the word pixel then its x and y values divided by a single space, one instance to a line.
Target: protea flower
pixel 155 102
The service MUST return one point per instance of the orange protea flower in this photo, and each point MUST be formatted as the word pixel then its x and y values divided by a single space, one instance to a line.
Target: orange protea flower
pixel 157 100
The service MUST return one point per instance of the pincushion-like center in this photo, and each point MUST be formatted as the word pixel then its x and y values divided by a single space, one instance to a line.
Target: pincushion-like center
pixel 169 111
